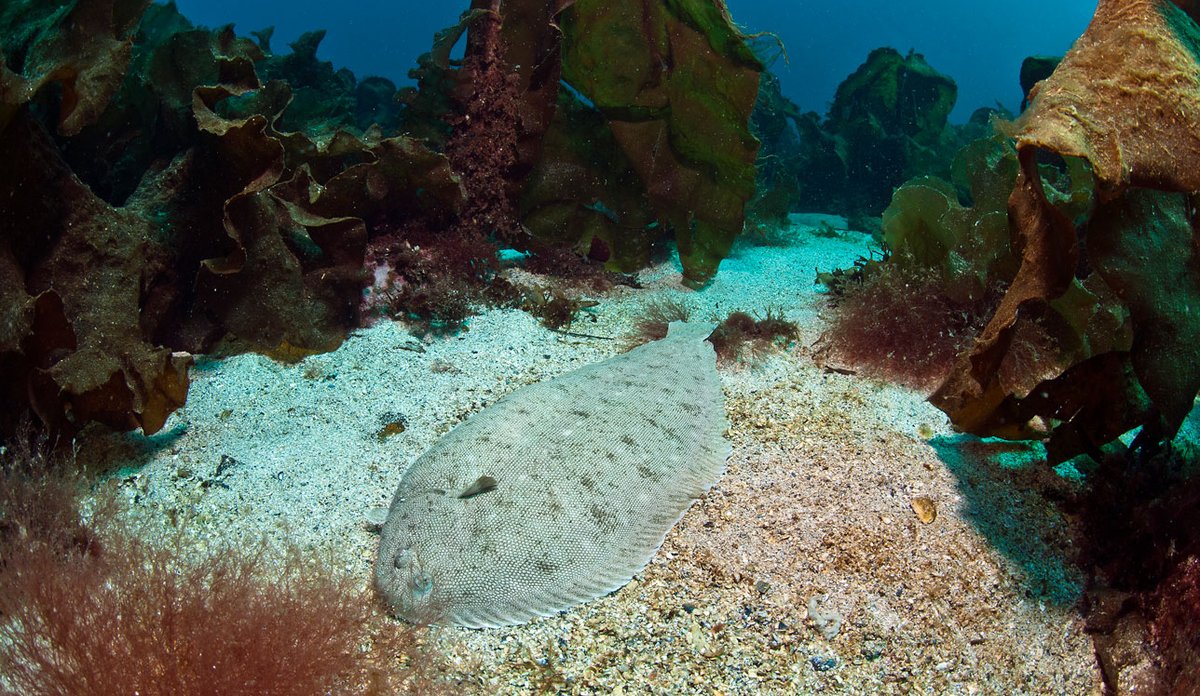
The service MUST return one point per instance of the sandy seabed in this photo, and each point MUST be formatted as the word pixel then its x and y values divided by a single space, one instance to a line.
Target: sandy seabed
pixel 805 569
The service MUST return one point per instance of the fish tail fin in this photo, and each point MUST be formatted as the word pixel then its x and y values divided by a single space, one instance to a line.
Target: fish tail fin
pixel 690 330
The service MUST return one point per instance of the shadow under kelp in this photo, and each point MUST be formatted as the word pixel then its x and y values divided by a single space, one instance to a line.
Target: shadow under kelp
pixel 133 451
pixel 1124 538
pixel 1009 494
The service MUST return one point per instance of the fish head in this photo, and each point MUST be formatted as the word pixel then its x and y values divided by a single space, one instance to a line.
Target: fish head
pixel 402 576
pixel 428 529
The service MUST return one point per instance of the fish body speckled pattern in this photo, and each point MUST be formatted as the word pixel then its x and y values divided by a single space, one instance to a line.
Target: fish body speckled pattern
pixel 558 493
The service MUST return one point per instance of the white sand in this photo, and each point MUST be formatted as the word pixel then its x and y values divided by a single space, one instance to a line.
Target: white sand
pixel 814 511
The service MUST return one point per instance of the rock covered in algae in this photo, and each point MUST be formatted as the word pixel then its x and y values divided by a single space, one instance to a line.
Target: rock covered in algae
pixel 558 493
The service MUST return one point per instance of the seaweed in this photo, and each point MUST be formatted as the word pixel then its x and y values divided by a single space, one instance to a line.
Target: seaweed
pixel 907 315
pixel 215 231
pixel 778 167
pixel 587 271
pixel 888 124
pixel 654 319
pixel 898 323
pixel 1034 69
pixel 434 281
pixel 177 618
pixel 1094 337
pixel 81 48
pixel 483 145
pixel 237 196
pixel 584 195
pixel 555 309
pixel 1099 294
pixel 842 281
pixel 891 117
pixel 740 336
pixel 75 350
pixel 699 102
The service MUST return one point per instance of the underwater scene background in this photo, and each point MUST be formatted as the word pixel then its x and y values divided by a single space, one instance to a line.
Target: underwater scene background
pixel 334 357
pixel 980 46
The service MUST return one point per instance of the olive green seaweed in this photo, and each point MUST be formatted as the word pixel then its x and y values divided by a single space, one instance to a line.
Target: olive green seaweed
pixel 676 82
pixel 927 227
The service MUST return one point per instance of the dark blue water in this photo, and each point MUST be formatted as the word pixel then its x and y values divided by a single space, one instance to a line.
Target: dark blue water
pixel 979 44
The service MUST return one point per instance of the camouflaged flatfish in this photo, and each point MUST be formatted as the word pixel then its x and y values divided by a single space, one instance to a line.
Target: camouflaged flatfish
pixel 558 493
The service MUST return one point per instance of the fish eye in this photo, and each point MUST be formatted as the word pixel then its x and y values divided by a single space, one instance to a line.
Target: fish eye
pixel 421 584
pixel 403 559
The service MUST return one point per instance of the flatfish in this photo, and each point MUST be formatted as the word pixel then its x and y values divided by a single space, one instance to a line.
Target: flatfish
pixel 559 492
